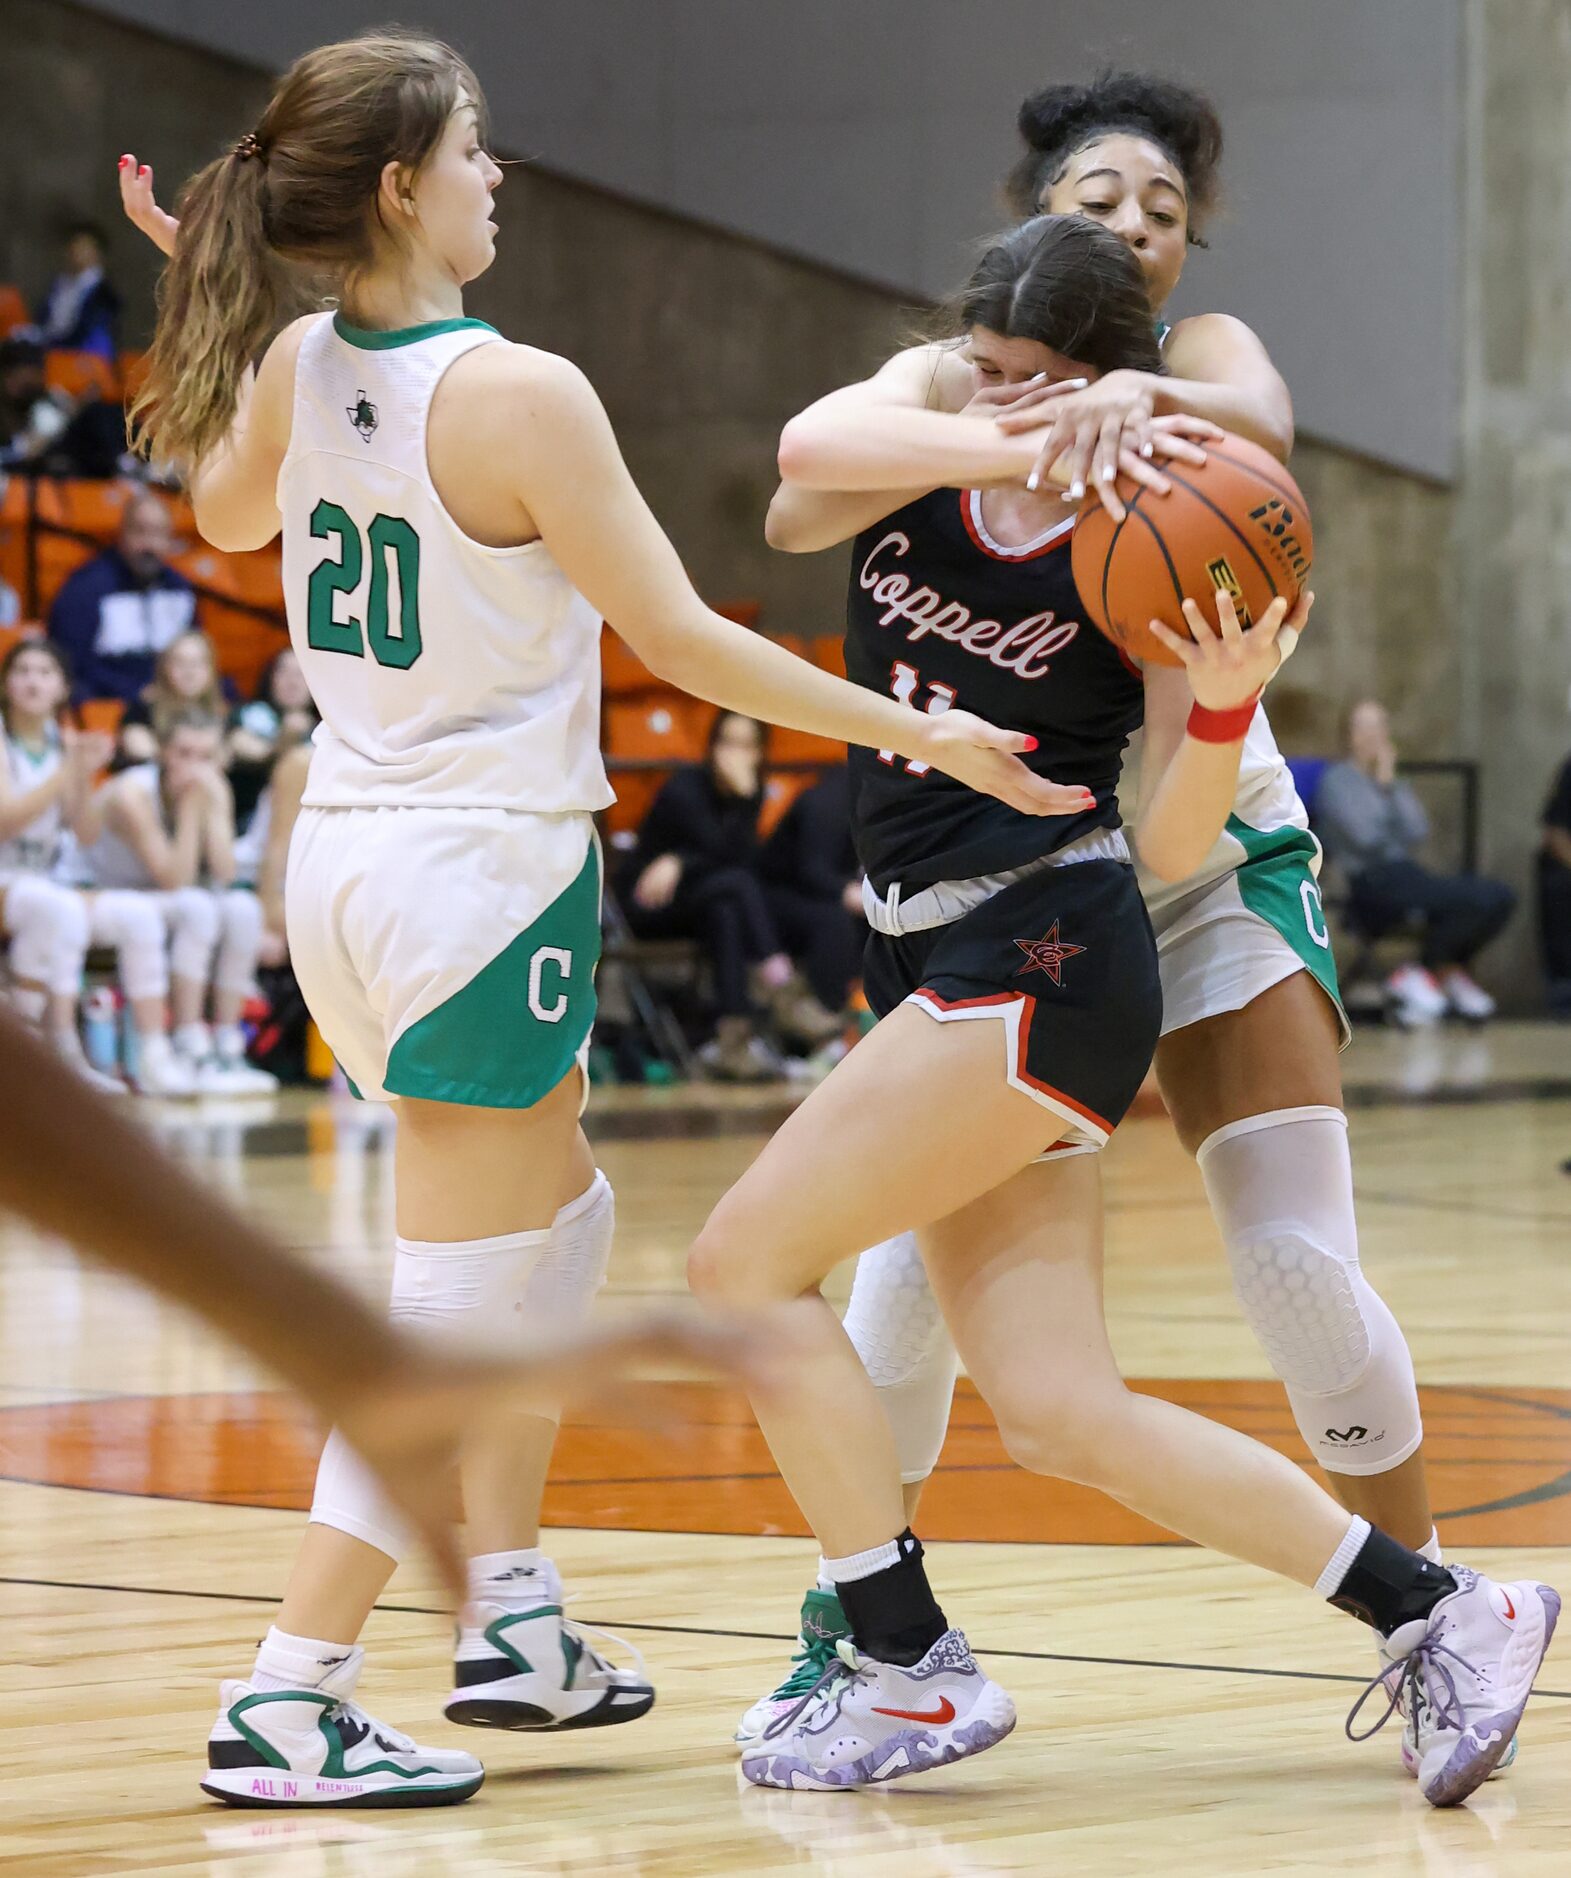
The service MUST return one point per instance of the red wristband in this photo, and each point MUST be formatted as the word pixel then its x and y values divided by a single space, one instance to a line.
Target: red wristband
pixel 1221 726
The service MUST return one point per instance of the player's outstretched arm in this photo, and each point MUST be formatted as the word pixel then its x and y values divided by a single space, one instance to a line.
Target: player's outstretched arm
pixel 1195 724
pixel 539 415
pixel 72 1165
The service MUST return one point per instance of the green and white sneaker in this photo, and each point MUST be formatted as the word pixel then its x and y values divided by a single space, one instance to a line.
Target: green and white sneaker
pixel 534 1669
pixel 823 1625
pixel 316 1747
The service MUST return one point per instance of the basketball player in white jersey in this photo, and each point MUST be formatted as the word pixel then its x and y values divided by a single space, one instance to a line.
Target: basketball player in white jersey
pixel 456 519
pixel 46 780
pixel 1252 1018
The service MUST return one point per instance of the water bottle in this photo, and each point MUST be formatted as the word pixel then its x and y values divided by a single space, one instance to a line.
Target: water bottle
pixel 100 1029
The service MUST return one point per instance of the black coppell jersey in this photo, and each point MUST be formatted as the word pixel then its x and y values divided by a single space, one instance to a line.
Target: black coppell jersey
pixel 939 614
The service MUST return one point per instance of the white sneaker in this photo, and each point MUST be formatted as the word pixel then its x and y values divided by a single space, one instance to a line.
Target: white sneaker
pixel 1416 997
pixel 866 1722
pixel 232 1076
pixel 533 1670
pixel 1465 997
pixel 823 1625
pixel 315 1747
pixel 1461 1678
pixel 162 1071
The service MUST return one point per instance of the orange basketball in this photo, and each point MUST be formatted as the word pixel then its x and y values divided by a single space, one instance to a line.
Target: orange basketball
pixel 1236 521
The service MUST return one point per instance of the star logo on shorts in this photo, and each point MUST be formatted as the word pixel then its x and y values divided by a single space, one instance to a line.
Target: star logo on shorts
pixel 1046 955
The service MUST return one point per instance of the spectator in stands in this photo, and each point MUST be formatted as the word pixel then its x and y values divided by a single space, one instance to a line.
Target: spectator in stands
pixel 1372 825
pixel 1554 892
pixel 118 612
pixel 185 677
pixel 81 310
pixel 32 418
pixel 46 779
pixel 162 864
pixel 814 886
pixel 694 874
pixel 10 604
pixel 280 716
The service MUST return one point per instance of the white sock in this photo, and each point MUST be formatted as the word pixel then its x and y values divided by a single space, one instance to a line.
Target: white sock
pixel 229 1043
pixel 826 1580
pixel 194 1041
pixel 845 1571
pixel 1329 1583
pixel 1430 1549
pixel 286 1662
pixel 514 1581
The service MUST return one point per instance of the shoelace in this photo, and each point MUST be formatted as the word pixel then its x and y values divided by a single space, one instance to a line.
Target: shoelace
pixel 578 1629
pixel 1418 1673
pixel 839 1678
pixel 817 1653
pixel 389 1738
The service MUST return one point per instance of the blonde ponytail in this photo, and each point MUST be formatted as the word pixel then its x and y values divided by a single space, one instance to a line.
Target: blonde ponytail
pixel 292 206
pixel 218 303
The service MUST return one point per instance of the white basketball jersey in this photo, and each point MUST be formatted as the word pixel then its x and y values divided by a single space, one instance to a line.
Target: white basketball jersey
pixel 110 861
pixel 35 849
pixel 1266 802
pixel 447 673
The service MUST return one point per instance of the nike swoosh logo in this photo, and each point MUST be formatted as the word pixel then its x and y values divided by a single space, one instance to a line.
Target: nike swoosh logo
pixel 1505 1599
pixel 945 1712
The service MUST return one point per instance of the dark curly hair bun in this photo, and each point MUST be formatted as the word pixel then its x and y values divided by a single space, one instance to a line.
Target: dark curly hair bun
pixel 1059 119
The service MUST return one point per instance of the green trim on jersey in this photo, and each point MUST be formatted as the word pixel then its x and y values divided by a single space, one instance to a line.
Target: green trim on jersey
pixel 369 341
pixel 509 1037
pixel 1276 882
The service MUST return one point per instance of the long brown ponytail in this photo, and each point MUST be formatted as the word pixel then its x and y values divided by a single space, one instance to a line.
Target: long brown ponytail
pixel 292 208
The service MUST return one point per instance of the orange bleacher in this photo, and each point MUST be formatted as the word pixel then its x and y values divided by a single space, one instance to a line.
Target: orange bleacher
pixel 650 728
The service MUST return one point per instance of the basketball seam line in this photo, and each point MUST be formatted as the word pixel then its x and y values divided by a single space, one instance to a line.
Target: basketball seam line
pixel 1222 516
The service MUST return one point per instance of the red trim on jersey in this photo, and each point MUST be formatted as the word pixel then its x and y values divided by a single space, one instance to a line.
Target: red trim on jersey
pixel 929 996
pixel 979 540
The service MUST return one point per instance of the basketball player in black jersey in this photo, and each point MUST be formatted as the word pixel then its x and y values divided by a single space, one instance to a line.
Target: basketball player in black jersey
pixel 1016 985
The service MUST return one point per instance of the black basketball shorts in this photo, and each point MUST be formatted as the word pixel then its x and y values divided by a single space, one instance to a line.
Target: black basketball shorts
pixel 1065 960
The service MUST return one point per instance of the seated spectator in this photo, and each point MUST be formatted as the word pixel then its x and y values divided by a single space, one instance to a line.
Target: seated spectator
pixel 185 677
pixel 161 863
pixel 81 310
pixel 118 611
pixel 814 885
pixel 694 875
pixel 280 716
pixel 46 780
pixel 1554 892
pixel 32 418
pixel 1371 825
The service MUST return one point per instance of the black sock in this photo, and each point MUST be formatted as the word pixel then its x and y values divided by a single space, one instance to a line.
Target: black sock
pixel 893 1614
pixel 1387 1586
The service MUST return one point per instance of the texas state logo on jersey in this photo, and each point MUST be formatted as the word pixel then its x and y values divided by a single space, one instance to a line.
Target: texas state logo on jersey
pixel 941 616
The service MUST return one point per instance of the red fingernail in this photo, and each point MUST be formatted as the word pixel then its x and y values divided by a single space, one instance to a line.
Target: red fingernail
pixel 143 171
pixel 1031 744
pixel 123 161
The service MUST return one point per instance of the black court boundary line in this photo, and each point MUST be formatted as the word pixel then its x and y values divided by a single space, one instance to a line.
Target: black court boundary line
pixel 752 1636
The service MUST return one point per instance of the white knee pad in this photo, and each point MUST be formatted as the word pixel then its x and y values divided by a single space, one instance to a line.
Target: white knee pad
pixel 48 928
pixel 239 941
pixel 193 917
pixel 573 1263
pixel 472 1291
pixel 1281 1188
pixel 133 923
pixel 899 1332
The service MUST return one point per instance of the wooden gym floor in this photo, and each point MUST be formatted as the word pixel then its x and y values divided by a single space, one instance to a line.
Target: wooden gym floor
pixel 1177 1711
